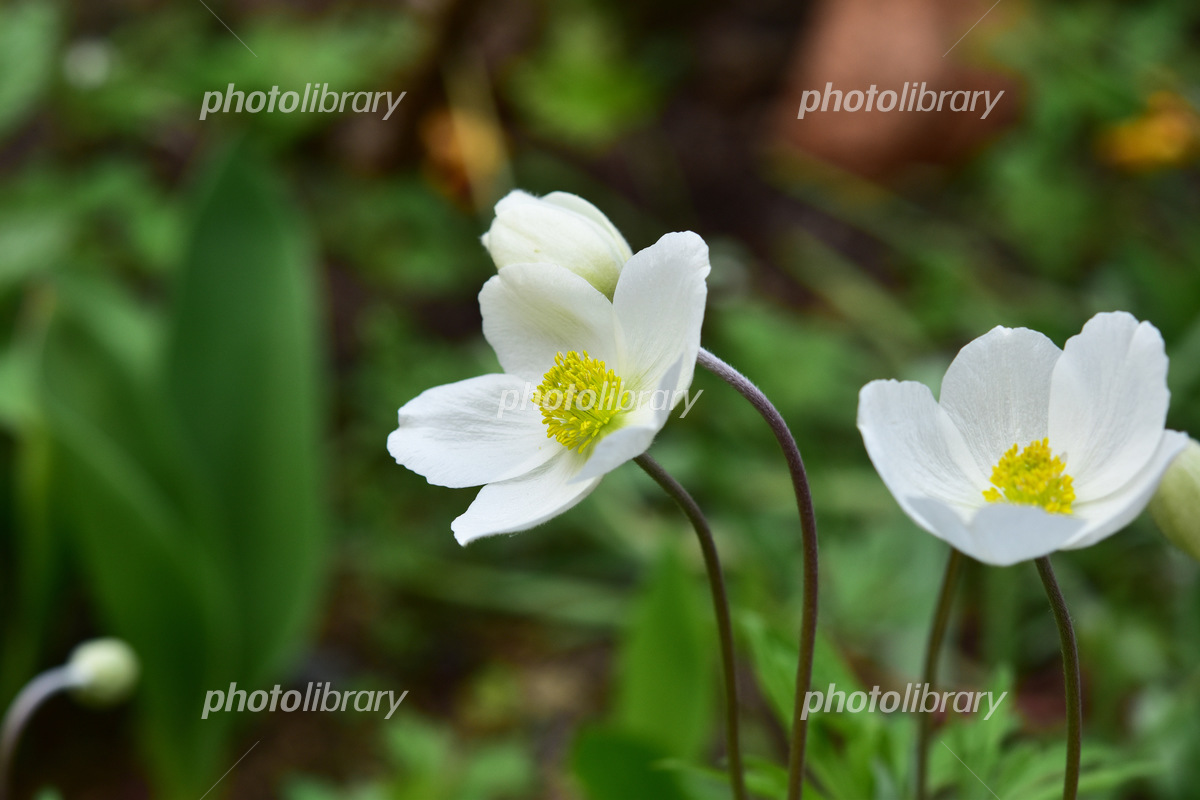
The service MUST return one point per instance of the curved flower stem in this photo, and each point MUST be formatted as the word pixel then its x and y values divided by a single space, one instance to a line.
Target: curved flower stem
pixel 23 707
pixel 941 616
pixel 720 605
pixel 808 533
pixel 1074 691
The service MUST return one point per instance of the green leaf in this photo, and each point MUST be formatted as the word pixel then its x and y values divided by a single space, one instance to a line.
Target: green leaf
pixel 613 765
pixel 152 588
pixel 775 658
pixel 763 778
pixel 18 404
pixel 30 242
pixel 131 506
pixel 28 34
pixel 497 770
pixel 242 372
pixel 665 687
pixel 30 583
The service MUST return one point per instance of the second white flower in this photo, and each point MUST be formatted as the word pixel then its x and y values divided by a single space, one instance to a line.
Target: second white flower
pixel 1031 449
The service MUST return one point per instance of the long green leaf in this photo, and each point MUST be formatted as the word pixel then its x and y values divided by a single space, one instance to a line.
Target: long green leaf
pixel 242 372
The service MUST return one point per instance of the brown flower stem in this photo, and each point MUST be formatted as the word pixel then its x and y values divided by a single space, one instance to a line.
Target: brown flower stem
pixel 808 535
pixel 937 633
pixel 1074 691
pixel 716 582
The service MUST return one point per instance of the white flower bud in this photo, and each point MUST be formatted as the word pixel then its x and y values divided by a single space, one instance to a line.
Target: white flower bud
pixel 105 672
pixel 1176 505
pixel 559 228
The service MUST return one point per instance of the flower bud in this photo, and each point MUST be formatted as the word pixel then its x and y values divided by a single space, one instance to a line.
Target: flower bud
pixel 105 670
pixel 559 228
pixel 1176 505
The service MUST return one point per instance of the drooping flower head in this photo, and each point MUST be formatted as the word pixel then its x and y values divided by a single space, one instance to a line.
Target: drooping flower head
pixel 1030 449
pixel 560 228
pixel 587 383
pixel 104 672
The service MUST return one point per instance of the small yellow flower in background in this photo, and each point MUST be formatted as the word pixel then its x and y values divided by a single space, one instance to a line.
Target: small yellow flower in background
pixel 587 381
pixel 560 228
pixel 1030 449
pixel 463 149
pixel 1176 504
pixel 1166 135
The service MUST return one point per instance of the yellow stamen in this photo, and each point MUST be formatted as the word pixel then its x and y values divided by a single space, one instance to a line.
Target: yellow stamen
pixel 1033 477
pixel 579 396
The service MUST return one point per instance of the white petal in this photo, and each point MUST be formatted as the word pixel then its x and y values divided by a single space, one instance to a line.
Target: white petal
pixel 640 426
pixel 1107 515
pixel 557 230
pixel 659 306
pixel 574 202
pixel 472 432
pixel 525 502
pixel 999 533
pixel 915 447
pixel 615 449
pixel 532 312
pixel 1108 402
pixel 997 391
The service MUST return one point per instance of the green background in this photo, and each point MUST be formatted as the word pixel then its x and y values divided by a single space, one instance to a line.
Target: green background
pixel 207 328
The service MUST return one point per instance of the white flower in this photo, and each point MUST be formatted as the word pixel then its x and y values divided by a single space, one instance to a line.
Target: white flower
pixel 559 228
pixel 1031 449
pixel 554 330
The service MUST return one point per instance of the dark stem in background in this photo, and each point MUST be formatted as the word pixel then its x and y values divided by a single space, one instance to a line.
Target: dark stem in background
pixel 720 605
pixel 808 533
pixel 941 616
pixel 1070 653
pixel 23 707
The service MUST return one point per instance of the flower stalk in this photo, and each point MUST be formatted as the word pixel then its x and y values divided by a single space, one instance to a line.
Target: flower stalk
pixel 99 673
pixel 716 582
pixel 1074 692
pixel 937 633
pixel 808 533
pixel 24 706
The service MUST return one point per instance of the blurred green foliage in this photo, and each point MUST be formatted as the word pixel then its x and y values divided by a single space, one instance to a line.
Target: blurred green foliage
pixel 170 461
pixel 168 298
pixel 430 765
pixel 30 31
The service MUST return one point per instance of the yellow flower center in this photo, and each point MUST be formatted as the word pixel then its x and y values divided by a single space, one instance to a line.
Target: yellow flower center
pixel 1033 477
pixel 579 396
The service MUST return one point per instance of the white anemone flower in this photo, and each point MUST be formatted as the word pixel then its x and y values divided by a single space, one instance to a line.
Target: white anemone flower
pixel 1030 449
pixel 560 228
pixel 559 340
